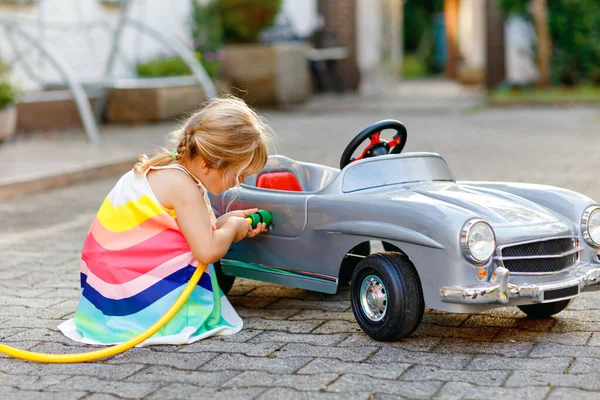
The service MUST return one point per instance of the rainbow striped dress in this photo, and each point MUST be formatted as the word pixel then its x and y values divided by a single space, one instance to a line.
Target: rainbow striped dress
pixel 135 263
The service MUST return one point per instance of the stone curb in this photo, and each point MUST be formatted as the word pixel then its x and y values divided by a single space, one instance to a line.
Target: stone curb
pixel 66 178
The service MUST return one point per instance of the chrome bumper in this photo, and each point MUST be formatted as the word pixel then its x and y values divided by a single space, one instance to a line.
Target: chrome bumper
pixel 499 291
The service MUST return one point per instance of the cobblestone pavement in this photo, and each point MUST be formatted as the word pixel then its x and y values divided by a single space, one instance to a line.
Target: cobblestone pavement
pixel 302 345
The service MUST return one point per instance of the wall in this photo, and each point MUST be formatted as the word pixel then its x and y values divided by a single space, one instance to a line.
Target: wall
pixel 368 38
pixel 86 51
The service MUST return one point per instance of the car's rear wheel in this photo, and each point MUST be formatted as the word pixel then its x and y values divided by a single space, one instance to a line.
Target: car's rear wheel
pixel 386 296
pixel 544 310
pixel 225 281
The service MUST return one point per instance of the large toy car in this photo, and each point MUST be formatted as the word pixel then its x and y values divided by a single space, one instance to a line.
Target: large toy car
pixel 454 246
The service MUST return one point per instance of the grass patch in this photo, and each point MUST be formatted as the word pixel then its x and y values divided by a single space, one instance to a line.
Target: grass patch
pixel 584 94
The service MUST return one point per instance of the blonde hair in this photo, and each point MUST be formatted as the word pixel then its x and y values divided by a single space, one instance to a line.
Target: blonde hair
pixel 225 133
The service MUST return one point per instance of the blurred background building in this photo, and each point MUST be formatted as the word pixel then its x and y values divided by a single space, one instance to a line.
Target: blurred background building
pixel 149 60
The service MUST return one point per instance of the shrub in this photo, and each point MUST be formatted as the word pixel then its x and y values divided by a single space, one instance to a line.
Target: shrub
pixel 244 20
pixel 175 66
pixel 8 94
pixel 575 31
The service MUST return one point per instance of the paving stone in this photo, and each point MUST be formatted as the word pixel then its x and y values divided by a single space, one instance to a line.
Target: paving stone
pixel 338 326
pixel 171 375
pixel 464 390
pixel 444 319
pixel 492 362
pixel 285 326
pixel 32 302
pixel 146 356
pixel 571 393
pixel 453 346
pixel 318 340
pixel 183 391
pixel 268 313
pixel 503 312
pixel 533 378
pixel 62 348
pixel 42 313
pixel 101 396
pixel 449 361
pixel 31 382
pixel 279 291
pixel 342 353
pixel 572 325
pixel 12 366
pixel 219 346
pixel 120 389
pixel 484 320
pixel 252 302
pixel 323 315
pixel 360 383
pixel 12 393
pixel 384 396
pixel 313 305
pixel 298 382
pixel 479 334
pixel 520 335
pixel 47 335
pixel 324 365
pixel 25 293
pixel 415 343
pixel 291 394
pixel 585 365
pixel 31 322
pixel 429 373
pixel 102 371
pixel 594 339
pixel 553 349
pixel 240 362
pixel 242 336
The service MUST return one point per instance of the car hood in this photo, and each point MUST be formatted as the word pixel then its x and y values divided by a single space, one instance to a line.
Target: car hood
pixel 496 207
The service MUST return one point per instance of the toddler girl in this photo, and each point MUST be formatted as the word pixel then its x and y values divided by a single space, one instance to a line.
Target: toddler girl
pixel 157 224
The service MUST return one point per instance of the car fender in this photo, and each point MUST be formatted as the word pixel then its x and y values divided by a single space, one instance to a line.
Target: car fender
pixel 379 230
pixel 565 202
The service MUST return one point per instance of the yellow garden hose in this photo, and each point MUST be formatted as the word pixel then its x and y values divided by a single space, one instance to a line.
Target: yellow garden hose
pixel 118 348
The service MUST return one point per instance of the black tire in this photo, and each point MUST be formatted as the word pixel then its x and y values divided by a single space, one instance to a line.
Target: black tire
pixel 544 310
pixel 225 281
pixel 404 305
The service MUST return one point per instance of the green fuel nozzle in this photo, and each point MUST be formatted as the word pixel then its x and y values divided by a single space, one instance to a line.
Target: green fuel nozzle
pixel 258 217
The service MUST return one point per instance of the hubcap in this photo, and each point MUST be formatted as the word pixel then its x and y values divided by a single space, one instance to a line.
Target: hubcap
pixel 373 298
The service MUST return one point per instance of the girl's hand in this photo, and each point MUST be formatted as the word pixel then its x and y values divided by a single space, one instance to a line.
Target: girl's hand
pixel 237 213
pixel 260 228
pixel 242 228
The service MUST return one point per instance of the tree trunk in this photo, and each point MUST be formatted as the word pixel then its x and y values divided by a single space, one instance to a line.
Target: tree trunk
pixel 451 26
pixel 539 11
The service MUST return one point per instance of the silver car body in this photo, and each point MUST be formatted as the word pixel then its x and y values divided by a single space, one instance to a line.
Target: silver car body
pixel 411 202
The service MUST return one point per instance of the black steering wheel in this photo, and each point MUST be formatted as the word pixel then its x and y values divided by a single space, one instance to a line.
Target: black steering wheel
pixel 378 146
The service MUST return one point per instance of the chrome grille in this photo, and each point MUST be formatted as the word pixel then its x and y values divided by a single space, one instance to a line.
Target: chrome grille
pixel 540 257
pixel 549 247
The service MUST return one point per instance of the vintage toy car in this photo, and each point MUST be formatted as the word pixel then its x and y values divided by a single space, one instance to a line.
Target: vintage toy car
pixel 407 234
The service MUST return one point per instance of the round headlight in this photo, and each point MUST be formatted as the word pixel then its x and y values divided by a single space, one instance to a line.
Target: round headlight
pixel 478 241
pixel 590 226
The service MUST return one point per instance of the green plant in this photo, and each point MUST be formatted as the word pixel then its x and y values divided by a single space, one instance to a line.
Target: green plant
pixel 8 93
pixel 175 66
pixel 244 20
pixel 575 31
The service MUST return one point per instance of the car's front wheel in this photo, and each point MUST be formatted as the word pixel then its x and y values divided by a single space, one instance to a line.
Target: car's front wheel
pixel 544 310
pixel 225 281
pixel 386 296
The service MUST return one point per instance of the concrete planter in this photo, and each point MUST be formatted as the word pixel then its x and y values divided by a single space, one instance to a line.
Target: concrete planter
pixel 275 74
pixel 8 122
pixel 152 104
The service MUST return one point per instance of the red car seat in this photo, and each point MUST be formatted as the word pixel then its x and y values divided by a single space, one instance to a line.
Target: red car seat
pixel 280 180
